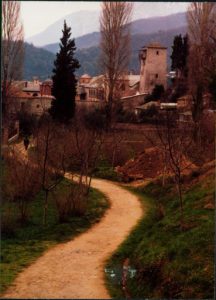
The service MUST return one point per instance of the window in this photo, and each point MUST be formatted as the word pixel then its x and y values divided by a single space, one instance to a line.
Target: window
pixel 157 52
pixel 156 75
pixel 38 106
pixel 100 94
pixel 123 87
pixel 92 93
pixel 35 95
pixel 83 96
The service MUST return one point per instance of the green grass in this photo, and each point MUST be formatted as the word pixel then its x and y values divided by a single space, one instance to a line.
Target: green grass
pixel 104 170
pixel 168 262
pixel 21 245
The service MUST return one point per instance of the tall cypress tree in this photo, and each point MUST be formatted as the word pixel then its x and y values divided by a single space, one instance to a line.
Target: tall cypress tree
pixel 179 54
pixel 64 80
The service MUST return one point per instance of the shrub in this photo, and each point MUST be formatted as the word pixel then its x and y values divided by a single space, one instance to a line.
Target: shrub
pixel 27 123
pixel 95 119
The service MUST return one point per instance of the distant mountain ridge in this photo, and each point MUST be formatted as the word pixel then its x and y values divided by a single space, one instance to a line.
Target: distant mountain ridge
pixel 143 26
pixel 87 22
pixel 82 22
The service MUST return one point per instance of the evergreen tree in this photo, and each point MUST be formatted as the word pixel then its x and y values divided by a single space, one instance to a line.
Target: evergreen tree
pixel 179 55
pixel 64 80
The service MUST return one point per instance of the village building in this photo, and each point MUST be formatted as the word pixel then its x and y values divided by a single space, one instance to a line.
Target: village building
pixel 94 91
pixel 132 89
pixel 153 67
pixel 152 104
pixel 33 97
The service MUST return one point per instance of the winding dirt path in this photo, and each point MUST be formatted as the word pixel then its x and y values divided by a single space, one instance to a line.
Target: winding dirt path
pixel 76 269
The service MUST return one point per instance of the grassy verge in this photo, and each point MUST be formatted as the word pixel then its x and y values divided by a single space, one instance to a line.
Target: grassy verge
pixel 23 244
pixel 165 262
pixel 104 170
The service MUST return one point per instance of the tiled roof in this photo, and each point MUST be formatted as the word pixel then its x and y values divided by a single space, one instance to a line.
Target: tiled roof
pixel 32 88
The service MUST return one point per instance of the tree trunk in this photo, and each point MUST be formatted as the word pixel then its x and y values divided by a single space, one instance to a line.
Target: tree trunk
pixel 45 208
pixel 113 157
pixel 181 203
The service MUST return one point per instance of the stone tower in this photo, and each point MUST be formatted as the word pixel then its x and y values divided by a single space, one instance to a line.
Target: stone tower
pixel 153 70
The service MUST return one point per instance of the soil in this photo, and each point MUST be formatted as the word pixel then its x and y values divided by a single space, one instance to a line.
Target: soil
pixel 148 165
pixel 76 269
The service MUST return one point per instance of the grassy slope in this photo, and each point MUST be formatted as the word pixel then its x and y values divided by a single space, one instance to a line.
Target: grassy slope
pixel 22 246
pixel 169 263
pixel 104 170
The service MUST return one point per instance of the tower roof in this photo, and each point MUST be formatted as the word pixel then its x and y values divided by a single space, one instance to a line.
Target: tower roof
pixel 155 45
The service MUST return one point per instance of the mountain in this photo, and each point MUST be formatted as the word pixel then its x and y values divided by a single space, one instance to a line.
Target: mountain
pixel 150 25
pixel 143 26
pixel 39 62
pixel 84 23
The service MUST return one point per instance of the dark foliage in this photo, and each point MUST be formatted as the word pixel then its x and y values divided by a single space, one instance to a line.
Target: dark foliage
pixel 156 94
pixel 64 80
pixel 179 54
pixel 95 119
pixel 212 86
pixel 178 90
pixel 149 114
pixel 27 123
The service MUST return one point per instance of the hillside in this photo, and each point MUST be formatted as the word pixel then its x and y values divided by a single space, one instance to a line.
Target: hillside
pixel 151 25
pixel 39 61
pixel 161 261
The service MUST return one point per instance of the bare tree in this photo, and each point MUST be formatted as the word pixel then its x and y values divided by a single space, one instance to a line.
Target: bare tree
pixel 175 142
pixel 50 157
pixel 21 183
pixel 201 17
pixel 88 138
pixel 115 47
pixel 84 142
pixel 12 51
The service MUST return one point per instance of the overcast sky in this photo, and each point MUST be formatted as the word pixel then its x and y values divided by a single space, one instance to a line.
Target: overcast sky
pixel 38 15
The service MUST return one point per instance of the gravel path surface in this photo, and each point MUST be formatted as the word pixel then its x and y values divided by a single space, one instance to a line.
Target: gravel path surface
pixel 76 269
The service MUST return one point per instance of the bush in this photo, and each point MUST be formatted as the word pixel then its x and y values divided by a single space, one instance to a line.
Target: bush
pixel 27 123
pixel 156 94
pixel 95 119
pixel 149 114
pixel 106 173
